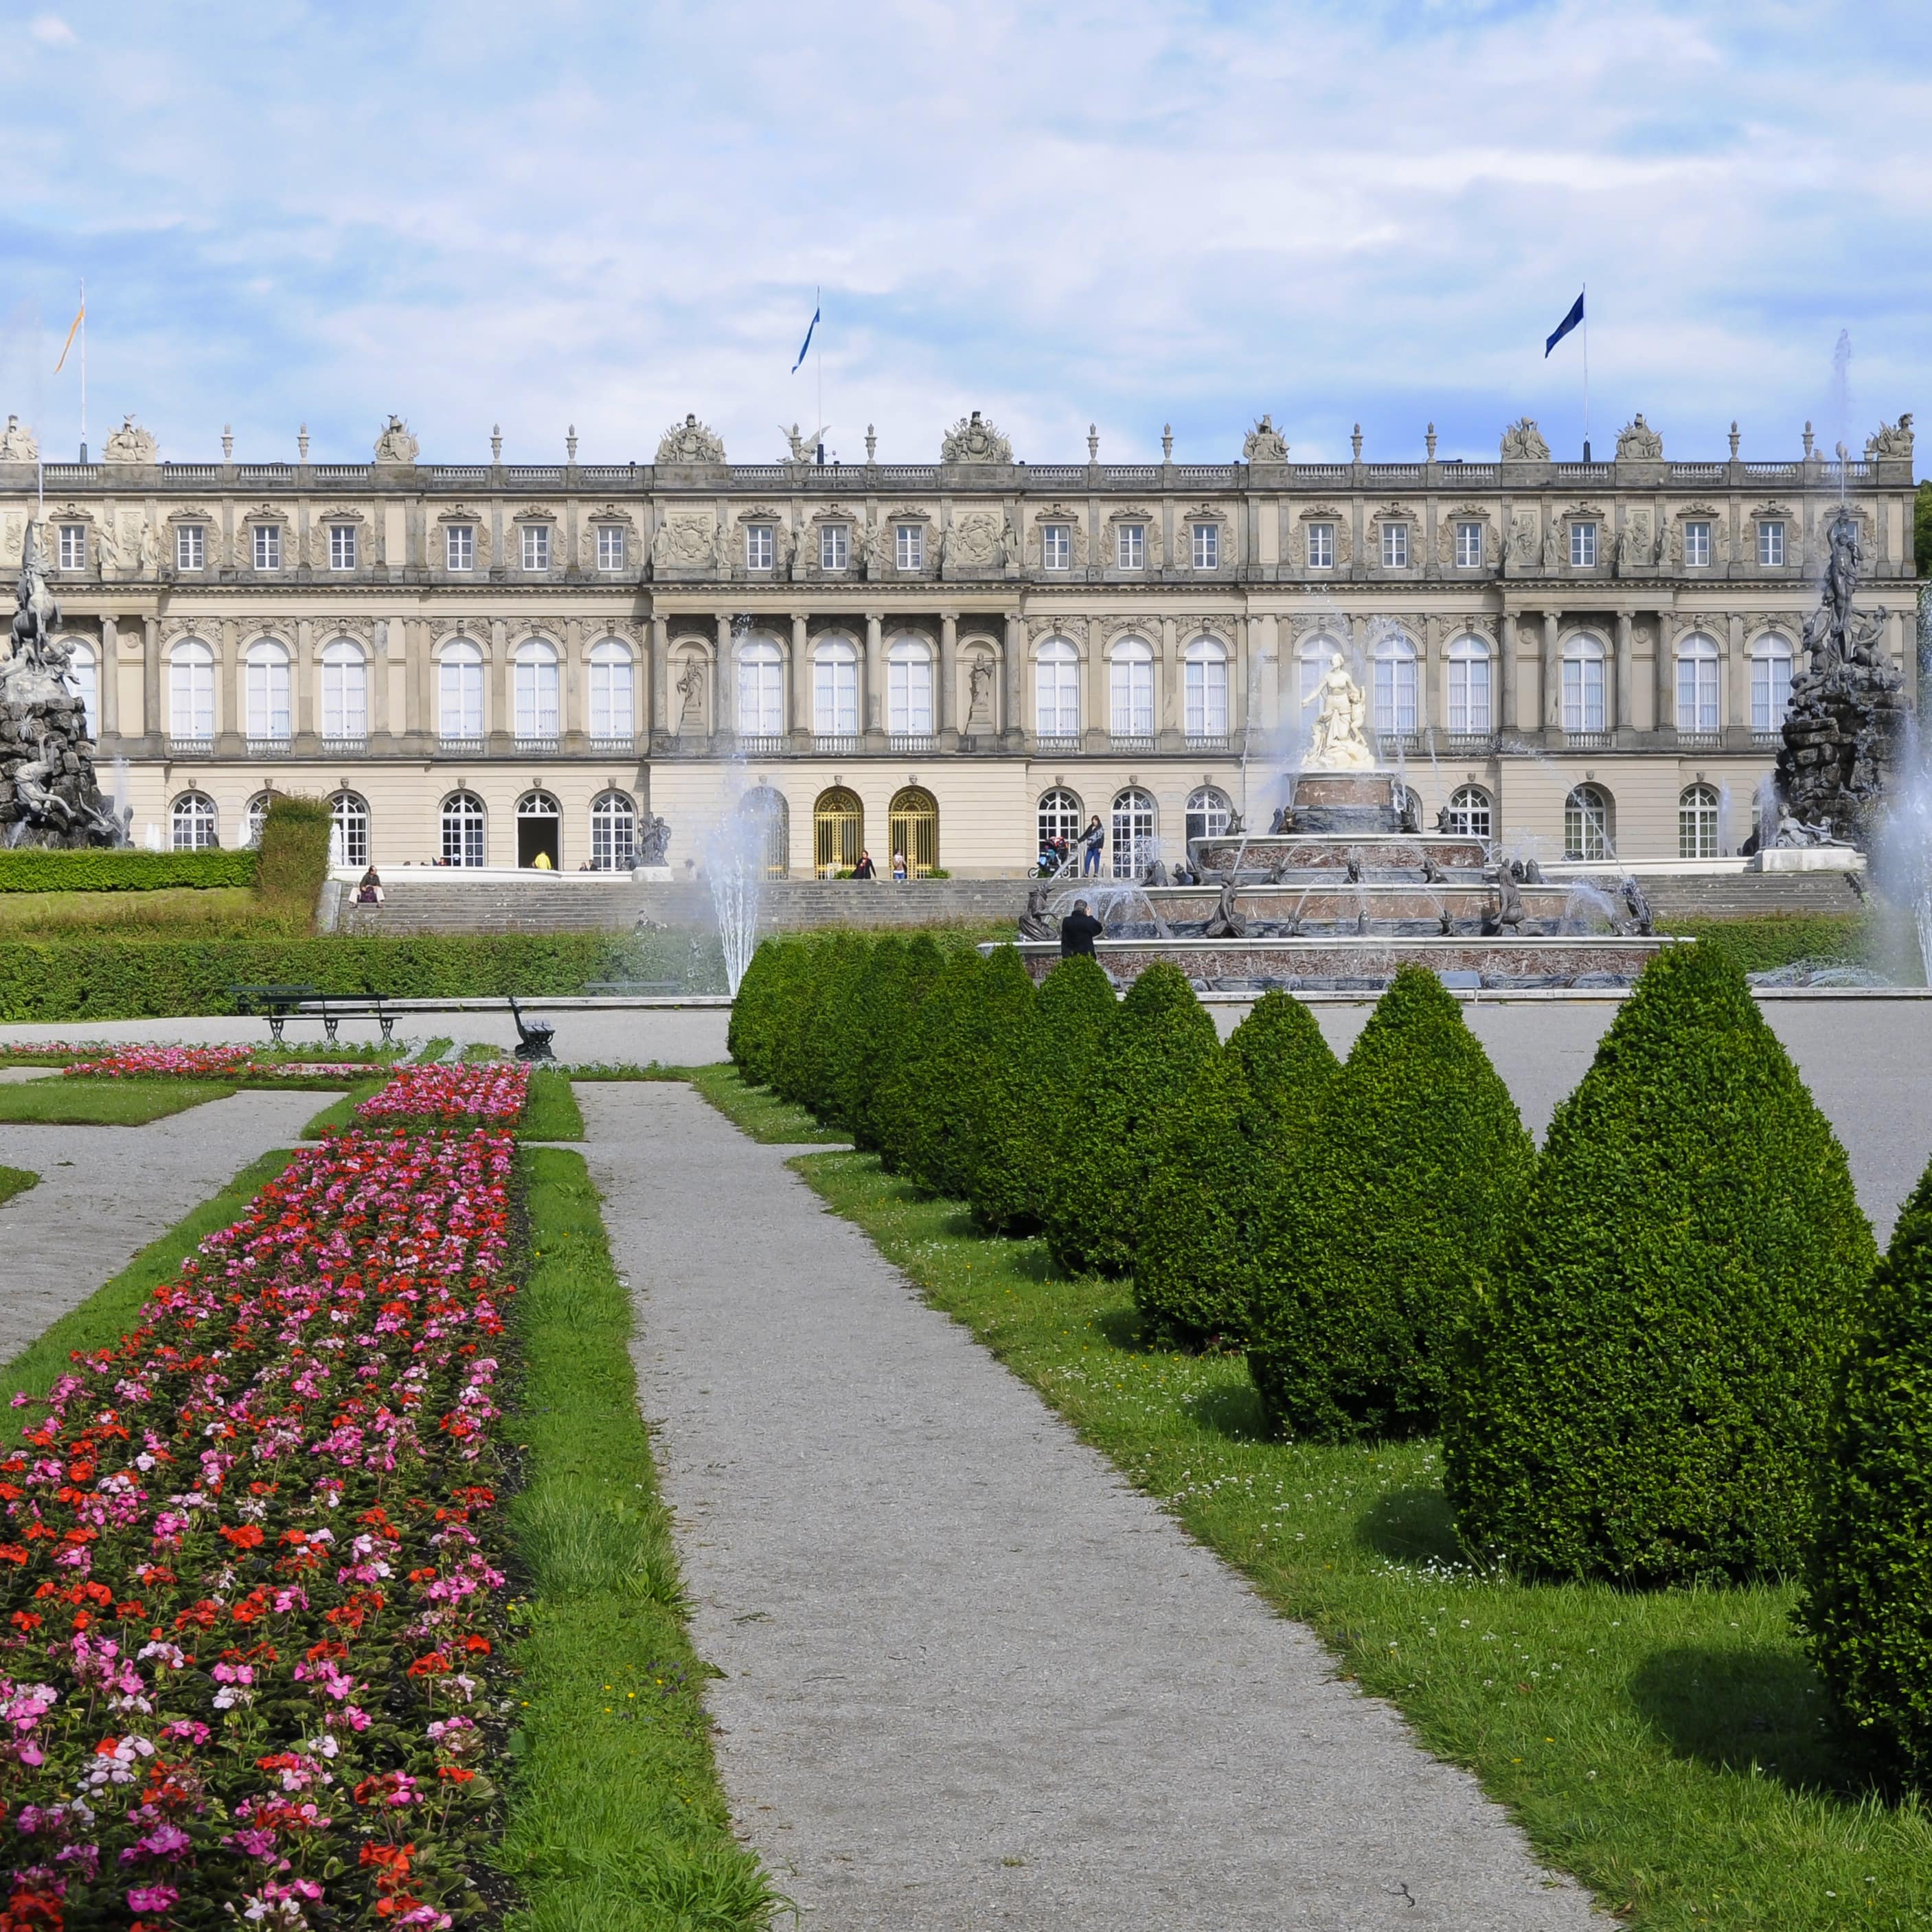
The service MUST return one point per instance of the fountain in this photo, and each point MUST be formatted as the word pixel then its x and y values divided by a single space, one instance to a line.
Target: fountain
pixel 1346 887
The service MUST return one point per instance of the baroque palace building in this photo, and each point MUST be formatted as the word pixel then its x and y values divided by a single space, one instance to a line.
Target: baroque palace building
pixel 482 662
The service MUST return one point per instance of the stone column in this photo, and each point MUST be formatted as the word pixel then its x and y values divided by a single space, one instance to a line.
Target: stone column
pixel 1666 681
pixel 1737 674
pixel 1239 672
pixel 1167 717
pixel 945 713
pixel 499 713
pixel 1014 721
pixel 419 717
pixel 1506 699
pixel 724 682
pixel 1626 674
pixel 380 633
pixel 1552 671
pixel 227 716
pixel 108 725
pixel 573 711
pixel 304 720
pixel 801 678
pixel 875 712
pixel 1099 705
pixel 657 679
pixel 155 718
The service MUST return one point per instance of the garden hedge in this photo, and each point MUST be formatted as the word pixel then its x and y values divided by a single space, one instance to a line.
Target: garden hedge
pixel 1027 1105
pixel 294 858
pixel 919 1113
pixel 30 869
pixel 1867 1607
pixel 817 1045
pixel 865 1032
pixel 997 1018
pixel 1287 1065
pixel 756 1012
pixel 1368 1237
pixel 1642 1392
pixel 884 1025
pixel 1140 1072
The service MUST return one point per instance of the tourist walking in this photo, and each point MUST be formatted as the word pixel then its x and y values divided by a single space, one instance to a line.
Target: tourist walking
pixel 1078 932
pixel 898 868
pixel 1092 840
pixel 865 868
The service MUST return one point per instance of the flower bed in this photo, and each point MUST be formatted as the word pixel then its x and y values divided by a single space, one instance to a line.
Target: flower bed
pixel 215 1063
pixel 251 1577
pixel 492 1093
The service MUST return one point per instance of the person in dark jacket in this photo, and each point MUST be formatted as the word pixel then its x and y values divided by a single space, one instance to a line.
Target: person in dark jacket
pixel 1078 932
pixel 864 869
pixel 1092 839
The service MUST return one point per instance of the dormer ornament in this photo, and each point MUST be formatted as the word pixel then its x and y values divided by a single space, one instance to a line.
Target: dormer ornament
pixel 1638 443
pixel 1264 443
pixel 1522 442
pixel 972 440
pixel 690 441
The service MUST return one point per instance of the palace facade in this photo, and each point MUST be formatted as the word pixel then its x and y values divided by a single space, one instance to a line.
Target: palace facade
pixel 481 663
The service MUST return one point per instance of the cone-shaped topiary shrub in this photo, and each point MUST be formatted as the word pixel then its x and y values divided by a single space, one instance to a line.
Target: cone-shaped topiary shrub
pixel 1367 1238
pixel 1642 1391
pixel 762 1009
pixel 791 1037
pixel 824 1031
pixel 996 1018
pixel 885 1022
pixel 1140 1072
pixel 1027 1107
pixel 868 1029
pixel 1242 1120
pixel 1867 1607
pixel 914 1120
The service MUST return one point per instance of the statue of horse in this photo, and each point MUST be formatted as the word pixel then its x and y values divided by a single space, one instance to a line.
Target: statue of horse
pixel 36 614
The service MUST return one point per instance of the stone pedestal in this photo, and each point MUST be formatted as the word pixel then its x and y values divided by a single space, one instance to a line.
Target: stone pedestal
pixel 1344 801
pixel 1810 859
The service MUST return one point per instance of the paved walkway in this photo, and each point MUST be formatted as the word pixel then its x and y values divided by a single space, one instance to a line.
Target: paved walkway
pixel 106 1193
pixel 972 1678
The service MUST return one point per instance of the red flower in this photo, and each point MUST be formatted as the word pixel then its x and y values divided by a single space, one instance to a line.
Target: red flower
pixel 246 1536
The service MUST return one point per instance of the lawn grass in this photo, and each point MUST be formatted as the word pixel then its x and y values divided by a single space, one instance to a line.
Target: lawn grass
pixel 88 1102
pixel 550 1111
pixel 341 1114
pixel 1672 1750
pixel 756 1111
pixel 114 1308
pixel 177 911
pixel 617 1821
pixel 15 1180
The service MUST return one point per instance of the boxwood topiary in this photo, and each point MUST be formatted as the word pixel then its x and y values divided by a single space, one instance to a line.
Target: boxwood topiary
pixel 886 1012
pixel 997 1017
pixel 1867 1607
pixel 1242 1119
pixel 1140 1072
pixel 912 1119
pixel 1367 1238
pixel 791 1037
pixel 1642 1392
pixel 878 987
pixel 750 1035
pixel 825 1020
pixel 1027 1106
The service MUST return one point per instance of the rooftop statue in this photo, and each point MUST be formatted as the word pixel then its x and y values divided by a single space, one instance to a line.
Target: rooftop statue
pixel 1639 442
pixel 1338 744
pixel 804 448
pixel 1264 443
pixel 131 443
pixel 690 441
pixel 1522 442
pixel 18 443
pixel 1891 440
pixel 395 444
pixel 971 440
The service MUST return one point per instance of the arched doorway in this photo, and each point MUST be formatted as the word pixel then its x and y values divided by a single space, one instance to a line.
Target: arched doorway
pixel 767 809
pixel 837 831
pixel 539 830
pixel 914 819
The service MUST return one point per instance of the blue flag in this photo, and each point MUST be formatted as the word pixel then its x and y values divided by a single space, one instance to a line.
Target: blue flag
pixel 806 344
pixel 1563 328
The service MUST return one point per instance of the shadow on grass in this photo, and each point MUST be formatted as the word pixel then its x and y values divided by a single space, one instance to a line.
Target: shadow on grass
pixel 1734 1709
pixel 1232 1410
pixel 1410 1524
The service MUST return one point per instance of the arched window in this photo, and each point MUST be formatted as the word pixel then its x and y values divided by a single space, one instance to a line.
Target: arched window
pixel 191 823
pixel 191 690
pixel 614 832
pixel 348 830
pixel 345 692
pixel 1056 690
pixel 769 808
pixel 1471 813
pixel 1135 832
pixel 1586 824
pixel 1209 812
pixel 459 692
pixel 264 674
pixel 913 818
pixel 760 689
pixel 909 688
pixel 1770 682
pixel 1061 816
pixel 612 711
pixel 1696 683
pixel 1395 686
pixel 539 831
pixel 835 689
pixel 1311 668
pixel 1697 816
pixel 462 824
pixel 254 818
pixel 84 668
pixel 1130 680
pixel 536 688
pixel 837 831
pixel 1470 712
pixel 1583 684
pixel 1205 670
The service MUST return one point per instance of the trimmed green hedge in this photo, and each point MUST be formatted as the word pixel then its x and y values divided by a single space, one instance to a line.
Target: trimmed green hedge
pixel 1643 1391
pixel 1369 1235
pixel 915 1114
pixel 30 869
pixel 1867 1607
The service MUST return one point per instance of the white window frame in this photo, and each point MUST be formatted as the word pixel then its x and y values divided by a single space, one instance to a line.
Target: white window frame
pixel 1770 543
pixel 535 548
pixel 1130 688
pixel 193 824
pixel 1770 682
pixel 1582 544
pixel 614 832
pixel 1395 544
pixel 1586 824
pixel 1204 681
pixel 1209 812
pixel 73 546
pixel 1468 545
pixel 1697 684
pixel 1696 543
pixel 760 669
pixel 459 687
pixel 835 546
pixel 464 823
pixel 909 546
pixel 1396 706
pixel 1056 690
pixel 1130 547
pixel 1133 825
pixel 1321 546
pixel 345 692
pixel 342 546
pixel 85 669
pixel 761 545
pixel 1583 681
pixel 1471 711
pixel 267 546
pixel 1056 546
pixel 1204 545
pixel 909 688
pixel 1060 815
pixel 536 688
pixel 613 689
pixel 1471 812
pixel 191 547
pixel 835 689
pixel 613 548
pixel 1700 812
pixel 349 830
pixel 459 547
pixel 268 691
pixel 191 690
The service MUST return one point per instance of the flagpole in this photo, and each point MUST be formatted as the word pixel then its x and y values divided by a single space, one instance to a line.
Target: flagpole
pixel 818 310
pixel 1586 372
pixel 83 369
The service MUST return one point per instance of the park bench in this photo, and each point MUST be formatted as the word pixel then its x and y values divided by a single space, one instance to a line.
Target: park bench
pixel 278 1005
pixel 533 1036
pixel 275 1003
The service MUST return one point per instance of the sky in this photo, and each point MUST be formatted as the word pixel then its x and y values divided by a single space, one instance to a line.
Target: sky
pixel 1125 214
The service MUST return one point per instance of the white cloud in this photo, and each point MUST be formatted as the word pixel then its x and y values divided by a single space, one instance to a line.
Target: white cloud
pixel 51 31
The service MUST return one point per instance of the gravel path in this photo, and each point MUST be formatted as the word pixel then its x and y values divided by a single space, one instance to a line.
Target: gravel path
pixel 106 1193
pixel 972 1678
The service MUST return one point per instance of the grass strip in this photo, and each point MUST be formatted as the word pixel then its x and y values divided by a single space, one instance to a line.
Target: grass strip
pixel 85 1102
pixel 114 1309
pixel 617 1820
pixel 1671 1750
pixel 342 1114
pixel 431 1051
pixel 15 1180
pixel 631 1070
pixel 550 1112
pixel 758 1111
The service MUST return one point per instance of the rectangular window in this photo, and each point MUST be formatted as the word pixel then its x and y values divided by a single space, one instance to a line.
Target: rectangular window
pixel 610 546
pixel 459 547
pixel 758 546
pixel 1771 544
pixel 834 546
pixel 73 546
pixel 1395 546
pixel 536 546
pixel 835 692
pixel 189 553
pixel 1469 546
pixel 1696 546
pixel 342 546
pixel 1583 693
pixel 909 696
pixel 1321 546
pixel 1207 546
pixel 910 550
pixel 267 546
pixel 1583 546
pixel 1468 697
pixel 1056 546
pixel 1130 547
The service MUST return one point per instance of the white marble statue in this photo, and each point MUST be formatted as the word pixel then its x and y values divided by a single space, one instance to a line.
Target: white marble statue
pixel 1338 743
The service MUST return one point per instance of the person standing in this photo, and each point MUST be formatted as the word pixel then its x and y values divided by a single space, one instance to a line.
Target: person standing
pixel 865 868
pixel 1078 932
pixel 1092 841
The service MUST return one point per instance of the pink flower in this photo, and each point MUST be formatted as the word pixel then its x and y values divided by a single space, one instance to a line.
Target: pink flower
pixel 153 1898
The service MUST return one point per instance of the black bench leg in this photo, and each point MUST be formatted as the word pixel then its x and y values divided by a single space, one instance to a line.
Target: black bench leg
pixel 329 1024
pixel 388 1026
pixel 275 1021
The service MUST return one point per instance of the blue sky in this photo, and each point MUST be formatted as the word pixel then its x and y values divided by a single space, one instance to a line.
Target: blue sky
pixel 1127 214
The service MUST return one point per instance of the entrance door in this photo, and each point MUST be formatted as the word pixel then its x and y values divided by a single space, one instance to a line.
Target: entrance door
pixel 539 830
